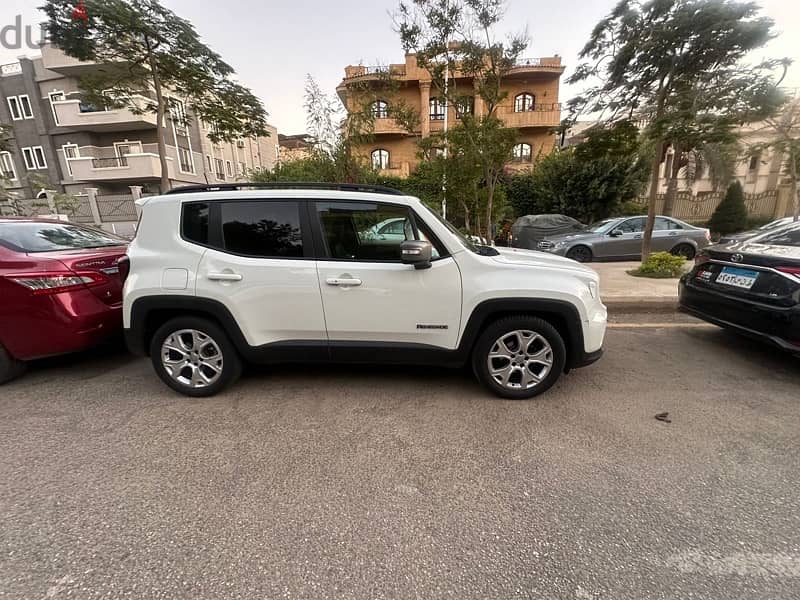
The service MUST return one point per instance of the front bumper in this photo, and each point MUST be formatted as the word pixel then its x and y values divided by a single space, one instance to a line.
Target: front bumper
pixel 775 325
pixel 559 251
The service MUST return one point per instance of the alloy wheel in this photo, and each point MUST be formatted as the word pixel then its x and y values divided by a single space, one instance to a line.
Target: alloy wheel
pixel 520 359
pixel 192 358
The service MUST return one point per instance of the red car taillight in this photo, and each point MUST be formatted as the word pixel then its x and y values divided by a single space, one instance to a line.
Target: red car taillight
pixel 54 283
pixel 124 265
pixel 701 258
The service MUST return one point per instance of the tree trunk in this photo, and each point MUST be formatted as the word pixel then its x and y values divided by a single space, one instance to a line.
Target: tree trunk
pixel 466 215
pixel 651 202
pixel 489 200
pixel 672 184
pixel 160 115
pixel 793 172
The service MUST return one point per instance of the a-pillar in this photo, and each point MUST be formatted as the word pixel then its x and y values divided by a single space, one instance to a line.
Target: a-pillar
pixel 424 103
pixel 91 194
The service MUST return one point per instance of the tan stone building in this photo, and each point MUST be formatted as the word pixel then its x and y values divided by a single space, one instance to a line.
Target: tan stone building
pixel 532 106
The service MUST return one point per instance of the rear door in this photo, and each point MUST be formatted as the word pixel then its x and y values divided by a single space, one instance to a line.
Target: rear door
pixel 259 264
pixel 665 235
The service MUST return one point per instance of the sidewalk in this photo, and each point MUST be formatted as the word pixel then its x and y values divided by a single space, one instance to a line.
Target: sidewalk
pixel 623 293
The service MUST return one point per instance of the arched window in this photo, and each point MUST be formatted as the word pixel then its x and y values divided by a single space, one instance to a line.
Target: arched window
pixel 522 153
pixel 437 109
pixel 380 109
pixel 380 159
pixel 524 102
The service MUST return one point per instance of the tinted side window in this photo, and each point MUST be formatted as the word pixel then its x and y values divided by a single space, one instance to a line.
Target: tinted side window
pixel 632 225
pixel 661 224
pixel 195 222
pixel 261 228
pixel 353 231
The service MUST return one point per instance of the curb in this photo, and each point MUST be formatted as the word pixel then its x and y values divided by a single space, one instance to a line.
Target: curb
pixel 645 304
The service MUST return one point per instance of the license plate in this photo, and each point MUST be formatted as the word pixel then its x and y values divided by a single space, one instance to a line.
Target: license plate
pixel 741 278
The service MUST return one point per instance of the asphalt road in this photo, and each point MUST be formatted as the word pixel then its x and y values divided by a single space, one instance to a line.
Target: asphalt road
pixel 409 483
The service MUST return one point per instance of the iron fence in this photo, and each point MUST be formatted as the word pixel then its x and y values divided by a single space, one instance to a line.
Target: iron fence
pixel 116 207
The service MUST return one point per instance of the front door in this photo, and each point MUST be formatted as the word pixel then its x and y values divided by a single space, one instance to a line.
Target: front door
pixel 629 244
pixel 368 294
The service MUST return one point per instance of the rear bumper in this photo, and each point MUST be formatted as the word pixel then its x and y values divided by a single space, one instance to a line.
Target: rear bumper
pixel 774 325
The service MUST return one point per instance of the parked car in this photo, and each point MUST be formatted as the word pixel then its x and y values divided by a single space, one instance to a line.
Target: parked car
pixel 746 235
pixel 60 287
pixel 621 239
pixel 231 273
pixel 527 231
pixel 752 287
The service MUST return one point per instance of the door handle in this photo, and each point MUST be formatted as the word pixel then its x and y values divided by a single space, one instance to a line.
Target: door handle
pixel 638 236
pixel 343 281
pixel 224 277
pixel 673 233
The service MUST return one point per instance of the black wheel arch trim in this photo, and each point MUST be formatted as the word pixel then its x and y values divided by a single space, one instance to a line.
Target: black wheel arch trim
pixel 566 320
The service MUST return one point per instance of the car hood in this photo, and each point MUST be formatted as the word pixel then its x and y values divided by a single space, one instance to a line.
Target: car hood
pixel 535 258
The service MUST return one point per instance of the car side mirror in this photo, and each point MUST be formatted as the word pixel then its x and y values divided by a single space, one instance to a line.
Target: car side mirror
pixel 616 233
pixel 417 253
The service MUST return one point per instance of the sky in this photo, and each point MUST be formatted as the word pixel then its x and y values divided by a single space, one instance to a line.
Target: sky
pixel 272 45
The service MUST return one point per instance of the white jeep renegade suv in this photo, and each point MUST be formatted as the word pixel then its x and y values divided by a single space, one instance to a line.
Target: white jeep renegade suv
pixel 306 273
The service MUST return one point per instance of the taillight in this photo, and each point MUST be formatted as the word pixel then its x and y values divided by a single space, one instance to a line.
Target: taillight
pixel 793 271
pixel 41 284
pixel 124 264
pixel 701 257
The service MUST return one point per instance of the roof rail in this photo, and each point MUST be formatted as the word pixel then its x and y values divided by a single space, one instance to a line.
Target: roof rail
pixel 288 185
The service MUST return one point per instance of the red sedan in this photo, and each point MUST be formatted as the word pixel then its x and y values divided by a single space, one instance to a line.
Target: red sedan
pixel 60 290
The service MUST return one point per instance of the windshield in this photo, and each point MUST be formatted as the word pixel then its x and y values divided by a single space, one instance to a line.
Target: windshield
pixel 46 237
pixel 461 237
pixel 601 226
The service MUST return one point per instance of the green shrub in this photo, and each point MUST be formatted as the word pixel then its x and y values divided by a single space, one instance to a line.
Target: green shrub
pixel 731 214
pixel 631 209
pixel 661 265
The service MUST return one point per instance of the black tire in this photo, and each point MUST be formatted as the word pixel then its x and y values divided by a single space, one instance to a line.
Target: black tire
pixel 489 341
pixel 231 362
pixel 582 254
pixel 687 251
pixel 10 367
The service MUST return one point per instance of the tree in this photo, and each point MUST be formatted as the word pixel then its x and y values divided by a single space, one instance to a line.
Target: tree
pixel 731 214
pixel 588 182
pixel 678 65
pixel 6 136
pixel 456 39
pixel 146 49
pixel 783 132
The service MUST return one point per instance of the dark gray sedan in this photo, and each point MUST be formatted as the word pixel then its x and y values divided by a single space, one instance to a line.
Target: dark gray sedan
pixel 621 239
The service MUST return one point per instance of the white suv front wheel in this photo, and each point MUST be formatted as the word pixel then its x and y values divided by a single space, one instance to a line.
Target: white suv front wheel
pixel 193 356
pixel 519 357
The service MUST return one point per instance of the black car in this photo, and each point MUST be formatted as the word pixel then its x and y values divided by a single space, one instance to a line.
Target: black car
pixel 752 287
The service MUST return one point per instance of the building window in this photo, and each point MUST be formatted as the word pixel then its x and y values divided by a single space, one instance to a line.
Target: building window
pixel 56 97
pixel 38 154
pixel 220 168
pixel 437 109
pixel 70 151
pixel 752 168
pixel 229 166
pixel 524 102
pixel 25 105
pixel 185 160
pixel 465 105
pixel 209 163
pixel 13 108
pixel 380 159
pixel 522 153
pixel 242 168
pixel 7 166
pixel 380 109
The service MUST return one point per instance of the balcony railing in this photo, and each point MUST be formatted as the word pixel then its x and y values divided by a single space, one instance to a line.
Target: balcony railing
pixel 537 62
pixel 81 115
pixel 361 71
pixel 109 163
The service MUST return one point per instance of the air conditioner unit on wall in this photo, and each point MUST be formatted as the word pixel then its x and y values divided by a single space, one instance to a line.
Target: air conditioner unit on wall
pixel 240 144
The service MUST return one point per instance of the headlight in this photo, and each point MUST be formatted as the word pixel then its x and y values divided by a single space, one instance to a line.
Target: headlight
pixel 560 244
pixel 594 290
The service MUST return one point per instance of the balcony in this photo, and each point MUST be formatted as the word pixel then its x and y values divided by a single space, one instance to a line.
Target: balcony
pixel 541 115
pixel 388 125
pixel 131 167
pixel 528 66
pixel 54 59
pixel 74 114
